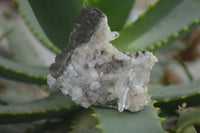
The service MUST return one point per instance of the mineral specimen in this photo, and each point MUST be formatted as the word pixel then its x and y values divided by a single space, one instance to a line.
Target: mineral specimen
pixel 93 72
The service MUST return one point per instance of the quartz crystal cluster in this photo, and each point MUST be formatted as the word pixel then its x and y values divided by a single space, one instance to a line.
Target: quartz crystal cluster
pixel 93 72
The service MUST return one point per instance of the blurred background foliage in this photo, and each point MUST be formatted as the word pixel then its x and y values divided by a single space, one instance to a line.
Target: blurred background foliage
pixel 32 32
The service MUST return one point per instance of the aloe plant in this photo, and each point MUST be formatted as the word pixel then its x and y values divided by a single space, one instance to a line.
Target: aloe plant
pixel 51 22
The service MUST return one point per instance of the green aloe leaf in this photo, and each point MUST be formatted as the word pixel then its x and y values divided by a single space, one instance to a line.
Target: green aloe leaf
pixel 5 34
pixel 53 125
pixel 21 72
pixel 15 93
pixel 190 129
pixel 116 11
pixel 172 92
pixel 161 24
pixel 169 97
pixel 51 21
pixel 10 129
pixel 55 104
pixel 164 95
pixel 188 119
pixel 28 15
pixel 111 120
pixel 84 123
pixel 21 48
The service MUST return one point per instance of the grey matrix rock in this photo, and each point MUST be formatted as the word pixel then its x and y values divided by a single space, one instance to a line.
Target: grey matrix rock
pixel 93 72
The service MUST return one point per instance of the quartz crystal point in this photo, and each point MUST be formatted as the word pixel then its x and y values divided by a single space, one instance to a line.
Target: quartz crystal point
pixel 93 72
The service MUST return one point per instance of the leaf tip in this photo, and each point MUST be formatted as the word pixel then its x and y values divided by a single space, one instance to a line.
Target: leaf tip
pixel 162 119
pixel 154 101
pixel 94 115
pixel 157 109
pixel 98 127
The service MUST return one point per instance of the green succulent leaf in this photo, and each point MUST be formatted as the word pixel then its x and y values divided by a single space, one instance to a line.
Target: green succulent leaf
pixel 5 34
pixel 15 93
pixel 161 24
pixel 10 129
pixel 53 125
pixel 160 93
pixel 21 72
pixel 56 104
pixel 190 129
pixel 51 21
pixel 169 97
pixel 84 122
pixel 21 48
pixel 32 22
pixel 188 119
pixel 116 11
pixel 167 93
pixel 144 121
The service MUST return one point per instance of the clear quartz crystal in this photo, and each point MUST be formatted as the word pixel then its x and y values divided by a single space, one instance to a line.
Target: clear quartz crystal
pixel 98 74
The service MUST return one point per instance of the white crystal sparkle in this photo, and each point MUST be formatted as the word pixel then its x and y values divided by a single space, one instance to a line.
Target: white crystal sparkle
pixel 98 74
